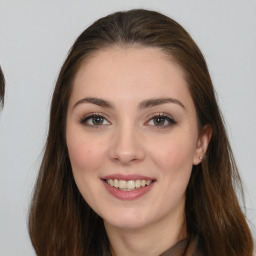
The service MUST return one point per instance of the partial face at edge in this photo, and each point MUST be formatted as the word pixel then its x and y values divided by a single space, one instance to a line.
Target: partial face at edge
pixel 131 117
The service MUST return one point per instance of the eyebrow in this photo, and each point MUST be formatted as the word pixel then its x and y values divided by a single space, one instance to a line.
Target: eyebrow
pixel 143 105
pixel 96 101
pixel 159 101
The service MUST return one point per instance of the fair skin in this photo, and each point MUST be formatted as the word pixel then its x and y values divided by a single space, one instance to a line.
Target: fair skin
pixel 131 117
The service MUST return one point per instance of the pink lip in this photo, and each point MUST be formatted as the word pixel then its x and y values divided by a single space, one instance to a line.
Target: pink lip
pixel 127 195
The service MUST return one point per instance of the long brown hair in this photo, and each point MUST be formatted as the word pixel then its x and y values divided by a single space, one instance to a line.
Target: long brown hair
pixel 61 222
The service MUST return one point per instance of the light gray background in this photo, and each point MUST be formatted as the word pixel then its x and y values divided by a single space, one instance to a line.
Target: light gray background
pixel 35 37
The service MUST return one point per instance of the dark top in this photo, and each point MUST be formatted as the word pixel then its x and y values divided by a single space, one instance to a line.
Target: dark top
pixel 185 247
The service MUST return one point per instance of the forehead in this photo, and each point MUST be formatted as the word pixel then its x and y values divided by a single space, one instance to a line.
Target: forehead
pixel 131 72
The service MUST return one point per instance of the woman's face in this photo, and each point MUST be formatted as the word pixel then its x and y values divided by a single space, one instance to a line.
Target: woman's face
pixel 132 136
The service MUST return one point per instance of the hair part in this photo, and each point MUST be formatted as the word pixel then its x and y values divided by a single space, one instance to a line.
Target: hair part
pixel 62 223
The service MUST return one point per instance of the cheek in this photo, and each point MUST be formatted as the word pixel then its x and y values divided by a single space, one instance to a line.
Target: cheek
pixel 84 152
pixel 174 156
pixel 80 155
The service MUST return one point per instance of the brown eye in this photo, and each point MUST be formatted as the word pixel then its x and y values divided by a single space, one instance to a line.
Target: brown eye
pixel 94 121
pixel 98 120
pixel 159 121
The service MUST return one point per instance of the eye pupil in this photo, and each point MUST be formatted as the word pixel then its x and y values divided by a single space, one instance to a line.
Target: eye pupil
pixel 97 120
pixel 158 121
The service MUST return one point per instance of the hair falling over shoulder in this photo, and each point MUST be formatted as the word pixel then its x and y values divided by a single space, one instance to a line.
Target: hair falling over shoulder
pixel 60 221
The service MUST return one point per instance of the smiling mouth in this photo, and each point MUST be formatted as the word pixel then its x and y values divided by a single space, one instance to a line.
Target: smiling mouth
pixel 129 185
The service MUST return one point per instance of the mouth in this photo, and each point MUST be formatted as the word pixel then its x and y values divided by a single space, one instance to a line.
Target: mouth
pixel 128 185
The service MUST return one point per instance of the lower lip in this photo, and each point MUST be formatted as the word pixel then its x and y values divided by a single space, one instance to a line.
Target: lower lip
pixel 128 195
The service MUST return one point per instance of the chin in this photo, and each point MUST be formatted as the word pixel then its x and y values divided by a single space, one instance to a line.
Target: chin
pixel 126 224
pixel 127 220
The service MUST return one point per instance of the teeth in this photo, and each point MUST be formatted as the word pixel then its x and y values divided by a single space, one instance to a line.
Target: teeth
pixel 122 184
pixel 128 185
pixel 137 183
pixel 111 183
pixel 115 183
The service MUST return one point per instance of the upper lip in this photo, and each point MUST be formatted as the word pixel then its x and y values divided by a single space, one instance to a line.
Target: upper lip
pixel 126 177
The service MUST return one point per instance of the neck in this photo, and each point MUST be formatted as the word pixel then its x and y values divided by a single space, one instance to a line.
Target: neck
pixel 151 240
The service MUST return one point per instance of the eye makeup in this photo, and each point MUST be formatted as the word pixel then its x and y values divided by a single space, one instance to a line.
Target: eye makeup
pixel 161 120
pixel 94 120
pixel 156 120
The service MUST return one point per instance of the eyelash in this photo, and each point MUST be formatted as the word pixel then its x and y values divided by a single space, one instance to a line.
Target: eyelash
pixel 84 120
pixel 171 121
pixel 164 117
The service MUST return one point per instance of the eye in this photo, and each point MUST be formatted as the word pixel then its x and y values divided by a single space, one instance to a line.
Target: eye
pixel 161 121
pixel 94 120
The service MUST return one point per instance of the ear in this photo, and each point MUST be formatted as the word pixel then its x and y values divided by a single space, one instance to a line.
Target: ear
pixel 202 144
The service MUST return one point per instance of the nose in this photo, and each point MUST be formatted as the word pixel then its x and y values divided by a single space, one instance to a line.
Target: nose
pixel 127 146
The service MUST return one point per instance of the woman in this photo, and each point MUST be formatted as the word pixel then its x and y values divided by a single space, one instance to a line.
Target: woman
pixel 137 160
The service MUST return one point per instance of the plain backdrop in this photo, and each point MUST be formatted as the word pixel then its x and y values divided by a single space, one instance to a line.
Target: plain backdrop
pixel 35 37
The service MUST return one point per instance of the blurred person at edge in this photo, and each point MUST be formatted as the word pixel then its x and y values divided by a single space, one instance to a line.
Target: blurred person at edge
pixel 2 88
